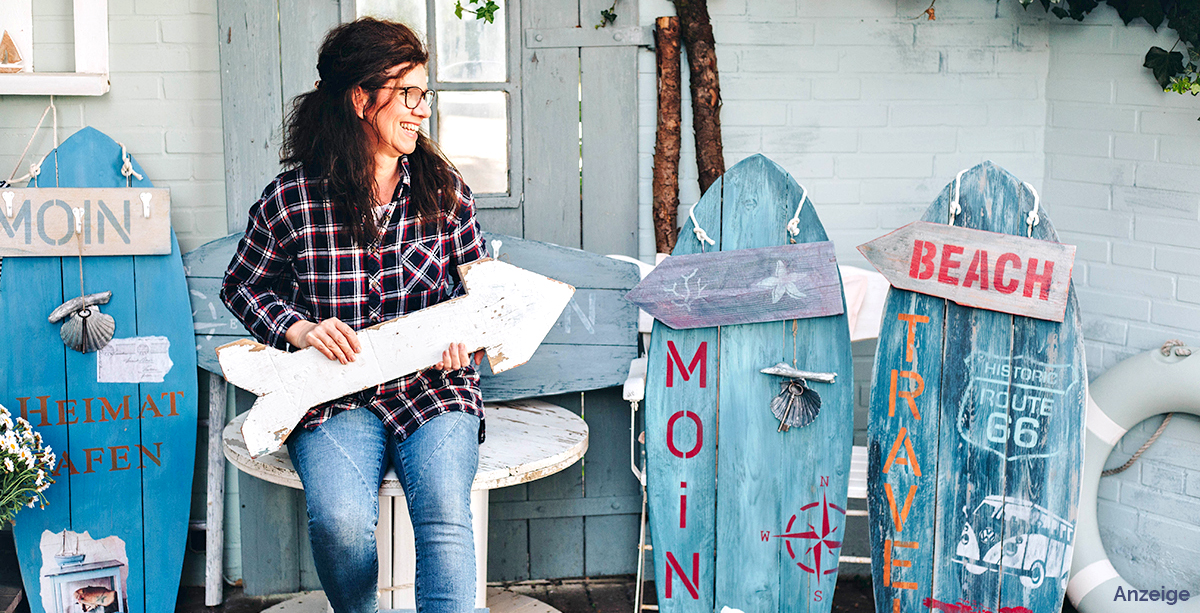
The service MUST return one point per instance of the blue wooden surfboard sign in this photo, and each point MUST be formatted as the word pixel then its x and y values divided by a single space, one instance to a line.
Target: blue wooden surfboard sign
pixel 116 521
pixel 589 347
pixel 766 535
pixel 975 436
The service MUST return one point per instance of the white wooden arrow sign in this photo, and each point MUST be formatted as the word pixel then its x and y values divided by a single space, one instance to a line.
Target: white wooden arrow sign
pixel 976 268
pixel 507 311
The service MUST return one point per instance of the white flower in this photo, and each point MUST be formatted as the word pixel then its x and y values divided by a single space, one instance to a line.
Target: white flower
pixel 8 465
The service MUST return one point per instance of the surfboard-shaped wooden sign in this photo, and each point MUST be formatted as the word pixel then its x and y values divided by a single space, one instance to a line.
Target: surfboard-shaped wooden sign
pixel 765 536
pixel 122 419
pixel 975 436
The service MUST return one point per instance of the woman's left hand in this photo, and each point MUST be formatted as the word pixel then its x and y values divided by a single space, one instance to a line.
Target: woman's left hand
pixel 456 356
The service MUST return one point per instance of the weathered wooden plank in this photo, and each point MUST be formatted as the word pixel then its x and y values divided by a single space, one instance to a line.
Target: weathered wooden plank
pixel 790 485
pixel 159 280
pixel 508 550
pixel 681 452
pixel 743 286
pixel 910 257
pixel 302 27
pixel 610 540
pixel 610 543
pixel 550 83
pixel 609 117
pixel 569 265
pixel 506 310
pixel 251 101
pixel 24 305
pixel 113 221
pixel 556 547
pixel 212 258
pixel 567 507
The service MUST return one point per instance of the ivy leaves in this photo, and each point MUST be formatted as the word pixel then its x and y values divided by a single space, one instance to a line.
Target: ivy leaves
pixel 1165 64
pixel 486 12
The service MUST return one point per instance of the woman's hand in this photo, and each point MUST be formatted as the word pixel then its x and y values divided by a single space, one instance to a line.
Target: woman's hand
pixel 456 357
pixel 333 338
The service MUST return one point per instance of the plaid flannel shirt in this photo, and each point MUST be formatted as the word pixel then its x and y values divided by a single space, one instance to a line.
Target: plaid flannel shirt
pixel 294 265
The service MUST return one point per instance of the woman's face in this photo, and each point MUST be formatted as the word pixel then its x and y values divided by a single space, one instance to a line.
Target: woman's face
pixel 393 125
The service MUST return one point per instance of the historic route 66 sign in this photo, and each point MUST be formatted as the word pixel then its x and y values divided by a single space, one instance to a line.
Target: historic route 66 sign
pixel 1009 406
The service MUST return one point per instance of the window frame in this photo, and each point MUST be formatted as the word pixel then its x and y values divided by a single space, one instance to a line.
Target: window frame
pixel 511 86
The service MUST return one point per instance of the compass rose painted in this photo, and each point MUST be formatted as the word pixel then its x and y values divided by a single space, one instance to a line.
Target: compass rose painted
pixel 821 540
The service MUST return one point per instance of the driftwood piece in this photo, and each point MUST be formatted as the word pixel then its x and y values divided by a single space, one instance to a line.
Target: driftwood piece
pixel 667 137
pixel 108 221
pixel 977 268
pixel 507 311
pixel 706 88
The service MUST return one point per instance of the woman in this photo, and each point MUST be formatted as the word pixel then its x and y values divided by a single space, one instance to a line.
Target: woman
pixel 370 223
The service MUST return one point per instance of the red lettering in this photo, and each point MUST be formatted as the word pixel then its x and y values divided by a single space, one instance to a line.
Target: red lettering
pixel 765 535
pixel 44 411
pixel 65 408
pixel 825 481
pixel 180 394
pixel 699 358
pixel 683 506
pixel 921 267
pixel 121 412
pixel 153 457
pixel 1033 278
pixel 912 321
pixel 149 404
pixel 977 271
pixel 65 462
pixel 119 453
pixel 909 396
pixel 693 585
pixel 671 435
pixel 944 267
pixel 87 456
pixel 889 561
pixel 87 406
pixel 1002 262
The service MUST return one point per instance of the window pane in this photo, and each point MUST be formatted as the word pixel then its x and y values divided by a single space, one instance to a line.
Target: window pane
pixel 408 12
pixel 469 49
pixel 473 132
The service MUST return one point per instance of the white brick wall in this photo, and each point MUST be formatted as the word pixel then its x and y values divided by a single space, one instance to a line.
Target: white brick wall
pixel 875 109
pixel 164 105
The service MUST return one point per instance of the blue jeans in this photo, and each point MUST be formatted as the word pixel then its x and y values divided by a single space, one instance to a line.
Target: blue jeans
pixel 342 462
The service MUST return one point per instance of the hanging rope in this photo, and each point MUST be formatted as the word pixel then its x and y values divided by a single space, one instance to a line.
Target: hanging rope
pixel 127 167
pixel 1180 350
pixel 34 168
pixel 955 208
pixel 793 225
pixel 701 235
pixel 1032 219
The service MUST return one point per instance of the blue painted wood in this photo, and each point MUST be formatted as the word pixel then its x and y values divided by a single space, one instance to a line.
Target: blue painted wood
pixel 128 477
pixel 743 286
pixel 781 496
pixel 998 461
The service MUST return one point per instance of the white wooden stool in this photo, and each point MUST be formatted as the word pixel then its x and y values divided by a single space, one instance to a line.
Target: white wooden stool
pixel 526 440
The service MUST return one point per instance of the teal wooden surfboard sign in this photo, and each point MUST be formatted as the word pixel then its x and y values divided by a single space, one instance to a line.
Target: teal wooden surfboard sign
pixel 766 535
pixel 122 420
pixel 975 436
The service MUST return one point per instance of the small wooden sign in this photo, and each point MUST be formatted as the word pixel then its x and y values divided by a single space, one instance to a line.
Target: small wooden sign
pixel 64 222
pixel 976 268
pixel 743 286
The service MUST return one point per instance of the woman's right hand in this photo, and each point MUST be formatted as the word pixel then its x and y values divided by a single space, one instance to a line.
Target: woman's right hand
pixel 333 338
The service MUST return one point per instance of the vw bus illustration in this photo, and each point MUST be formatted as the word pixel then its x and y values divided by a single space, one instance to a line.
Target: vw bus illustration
pixel 1015 536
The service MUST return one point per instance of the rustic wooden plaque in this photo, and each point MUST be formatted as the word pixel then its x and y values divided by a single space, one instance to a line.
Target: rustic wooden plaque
pixel 111 221
pixel 767 535
pixel 745 286
pixel 975 438
pixel 976 268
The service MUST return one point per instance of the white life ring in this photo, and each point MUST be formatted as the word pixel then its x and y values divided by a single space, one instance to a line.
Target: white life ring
pixel 1141 387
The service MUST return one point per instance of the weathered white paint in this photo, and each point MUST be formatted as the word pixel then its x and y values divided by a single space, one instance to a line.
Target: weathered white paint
pixel 91 55
pixel 110 221
pixel 507 311
pixel 16 18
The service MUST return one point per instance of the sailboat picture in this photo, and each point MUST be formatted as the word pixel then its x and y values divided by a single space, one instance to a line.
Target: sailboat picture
pixel 10 57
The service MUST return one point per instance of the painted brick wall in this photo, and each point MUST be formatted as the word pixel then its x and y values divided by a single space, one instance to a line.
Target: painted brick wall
pixel 874 109
pixel 164 105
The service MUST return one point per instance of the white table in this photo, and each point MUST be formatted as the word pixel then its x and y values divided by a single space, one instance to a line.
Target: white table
pixel 526 440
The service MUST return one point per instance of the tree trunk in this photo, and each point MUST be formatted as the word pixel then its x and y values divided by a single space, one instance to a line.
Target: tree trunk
pixel 706 88
pixel 667 139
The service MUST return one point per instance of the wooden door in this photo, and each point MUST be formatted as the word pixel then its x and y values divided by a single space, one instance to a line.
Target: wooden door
pixel 572 131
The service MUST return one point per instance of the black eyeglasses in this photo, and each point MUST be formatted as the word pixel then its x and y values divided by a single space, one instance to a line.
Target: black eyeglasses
pixel 413 95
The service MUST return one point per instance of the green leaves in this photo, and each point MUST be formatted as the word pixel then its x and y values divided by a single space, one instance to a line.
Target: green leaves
pixel 486 12
pixel 1150 10
pixel 608 16
pixel 1165 64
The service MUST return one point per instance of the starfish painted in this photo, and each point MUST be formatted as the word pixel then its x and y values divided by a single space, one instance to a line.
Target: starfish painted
pixel 783 282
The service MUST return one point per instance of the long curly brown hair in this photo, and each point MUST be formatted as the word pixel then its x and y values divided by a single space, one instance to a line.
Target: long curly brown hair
pixel 324 134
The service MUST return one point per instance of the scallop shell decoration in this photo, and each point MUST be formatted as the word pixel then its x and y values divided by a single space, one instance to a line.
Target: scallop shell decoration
pixel 86 329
